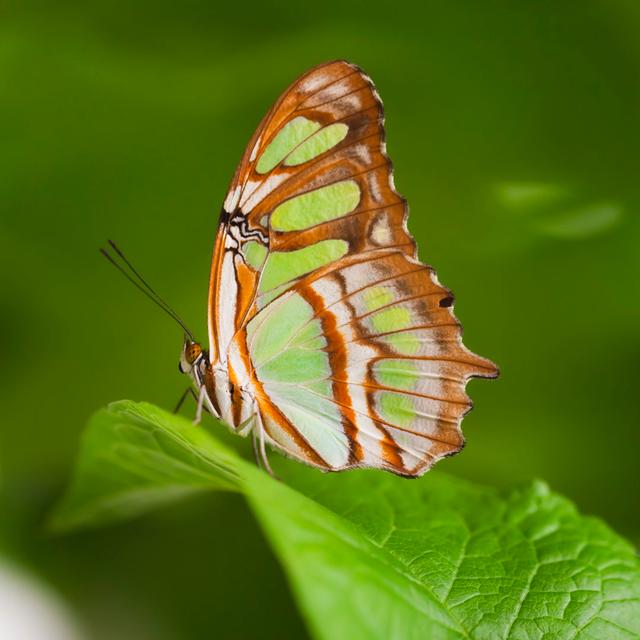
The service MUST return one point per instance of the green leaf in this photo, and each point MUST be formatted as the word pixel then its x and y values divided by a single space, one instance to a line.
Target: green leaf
pixel 522 197
pixel 370 555
pixel 555 210
pixel 582 222
pixel 135 457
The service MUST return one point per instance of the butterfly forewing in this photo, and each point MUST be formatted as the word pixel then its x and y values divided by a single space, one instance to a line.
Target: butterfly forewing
pixel 348 343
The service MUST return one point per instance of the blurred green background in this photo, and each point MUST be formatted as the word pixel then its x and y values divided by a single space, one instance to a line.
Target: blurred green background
pixel 514 130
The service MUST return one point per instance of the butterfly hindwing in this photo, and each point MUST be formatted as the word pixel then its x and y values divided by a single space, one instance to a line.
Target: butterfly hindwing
pixel 354 353
pixel 369 347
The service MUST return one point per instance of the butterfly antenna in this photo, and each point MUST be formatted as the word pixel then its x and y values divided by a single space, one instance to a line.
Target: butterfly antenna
pixel 140 283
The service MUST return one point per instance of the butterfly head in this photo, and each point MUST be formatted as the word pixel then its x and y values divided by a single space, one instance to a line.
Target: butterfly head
pixel 191 355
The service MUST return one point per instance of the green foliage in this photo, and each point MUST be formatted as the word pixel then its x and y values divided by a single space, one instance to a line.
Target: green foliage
pixel 553 210
pixel 371 555
pixel 136 457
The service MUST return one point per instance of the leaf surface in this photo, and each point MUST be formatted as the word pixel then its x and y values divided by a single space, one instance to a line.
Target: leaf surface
pixel 370 555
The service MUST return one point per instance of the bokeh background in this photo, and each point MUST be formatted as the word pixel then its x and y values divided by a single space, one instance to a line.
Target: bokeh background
pixel 514 130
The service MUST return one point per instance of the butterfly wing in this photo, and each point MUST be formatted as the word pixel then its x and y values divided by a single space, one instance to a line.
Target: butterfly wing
pixel 334 112
pixel 350 343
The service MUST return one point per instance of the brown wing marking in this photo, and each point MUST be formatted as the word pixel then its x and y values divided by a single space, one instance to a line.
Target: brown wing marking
pixel 338 363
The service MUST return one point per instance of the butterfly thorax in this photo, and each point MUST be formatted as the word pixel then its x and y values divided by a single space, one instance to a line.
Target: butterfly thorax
pixel 225 395
pixel 233 402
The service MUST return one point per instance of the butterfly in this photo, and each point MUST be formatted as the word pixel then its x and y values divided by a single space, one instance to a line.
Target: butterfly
pixel 328 339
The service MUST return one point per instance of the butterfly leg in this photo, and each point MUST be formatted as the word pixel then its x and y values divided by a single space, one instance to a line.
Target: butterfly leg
pixel 261 455
pixel 198 418
pixel 183 397
pixel 259 448
pixel 256 448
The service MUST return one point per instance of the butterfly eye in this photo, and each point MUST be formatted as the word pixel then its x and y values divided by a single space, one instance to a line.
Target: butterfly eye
pixel 192 352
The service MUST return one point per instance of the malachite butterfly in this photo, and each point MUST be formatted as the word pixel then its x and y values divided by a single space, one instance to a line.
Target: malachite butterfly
pixel 329 340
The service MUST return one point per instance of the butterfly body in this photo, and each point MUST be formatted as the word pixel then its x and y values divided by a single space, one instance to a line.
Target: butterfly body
pixel 328 338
